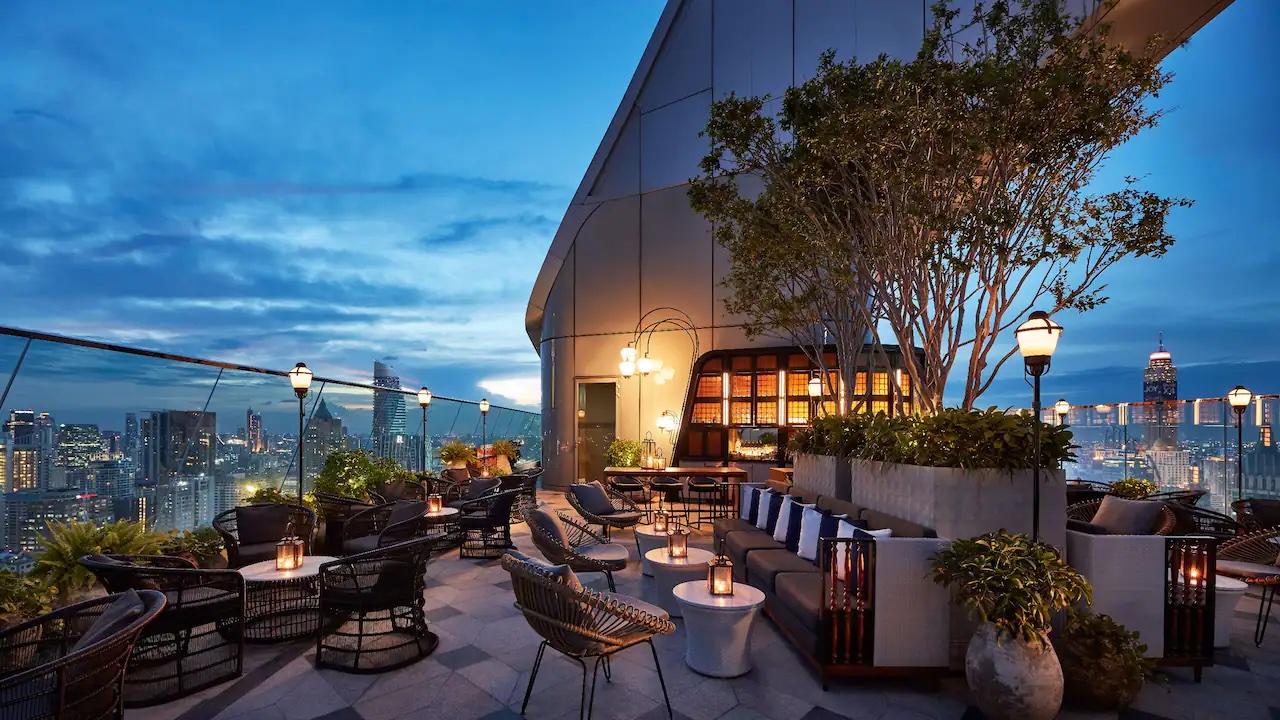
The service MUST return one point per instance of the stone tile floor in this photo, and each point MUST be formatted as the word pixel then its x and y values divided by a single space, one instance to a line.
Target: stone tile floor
pixel 486 651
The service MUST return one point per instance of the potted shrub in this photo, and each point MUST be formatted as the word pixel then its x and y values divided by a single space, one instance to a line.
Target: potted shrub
pixel 59 563
pixel 21 599
pixel 505 452
pixel 821 452
pixel 203 547
pixel 1104 664
pixel 1013 586
pixel 269 495
pixel 1132 488
pixel 457 454
pixel 350 473
pixel 622 453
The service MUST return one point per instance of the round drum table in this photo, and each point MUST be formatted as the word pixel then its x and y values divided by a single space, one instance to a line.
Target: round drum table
pixel 718 627
pixel 282 604
pixel 443 528
pixel 648 539
pixel 669 572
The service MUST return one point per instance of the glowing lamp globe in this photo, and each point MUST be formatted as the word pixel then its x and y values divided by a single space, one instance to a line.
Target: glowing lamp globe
pixel 1038 338
pixel 424 397
pixel 1062 407
pixel 815 386
pixel 300 378
pixel 1239 397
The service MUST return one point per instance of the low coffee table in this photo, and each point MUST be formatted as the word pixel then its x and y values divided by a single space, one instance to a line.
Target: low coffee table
pixel 718 627
pixel 282 605
pixel 648 539
pixel 669 572
pixel 443 528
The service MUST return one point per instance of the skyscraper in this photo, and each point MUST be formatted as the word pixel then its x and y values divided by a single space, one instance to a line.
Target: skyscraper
pixel 22 451
pixel 178 442
pixel 131 437
pixel 388 411
pixel 324 436
pixel 253 432
pixel 1160 386
pixel 78 445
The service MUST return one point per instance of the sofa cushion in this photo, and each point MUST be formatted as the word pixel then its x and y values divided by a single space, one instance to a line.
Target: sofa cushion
pixel 261 523
pixel 593 499
pixel 740 544
pixel 803 496
pixel 750 504
pixel 795 521
pixel 724 526
pixel 767 508
pixel 866 534
pixel 1121 516
pixel 763 565
pixel 901 528
pixel 839 507
pixel 814 525
pixel 784 519
pixel 561 572
pixel 801 594
pixel 119 615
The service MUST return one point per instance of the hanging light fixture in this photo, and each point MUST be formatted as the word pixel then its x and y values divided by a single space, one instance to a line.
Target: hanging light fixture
pixel 645 365
pixel 627 367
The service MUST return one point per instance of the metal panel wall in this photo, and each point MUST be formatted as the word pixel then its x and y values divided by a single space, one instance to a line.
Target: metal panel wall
pixel 683 66
pixel 607 269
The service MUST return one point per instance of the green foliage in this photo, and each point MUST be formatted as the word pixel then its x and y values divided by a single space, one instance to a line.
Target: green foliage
pixel 457 451
pixel 1104 664
pixel 951 438
pixel 933 202
pixel 23 598
pixel 1132 488
pixel 352 473
pixel 1010 581
pixel 622 453
pixel 506 447
pixel 202 544
pixel 270 496
pixel 59 563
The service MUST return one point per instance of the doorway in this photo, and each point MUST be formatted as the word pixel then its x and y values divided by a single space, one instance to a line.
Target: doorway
pixel 597 427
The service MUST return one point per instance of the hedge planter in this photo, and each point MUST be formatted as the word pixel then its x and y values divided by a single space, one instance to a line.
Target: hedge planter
pixel 822 474
pixel 961 503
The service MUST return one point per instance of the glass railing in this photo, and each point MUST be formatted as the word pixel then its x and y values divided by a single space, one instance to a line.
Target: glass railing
pixel 1178 445
pixel 98 432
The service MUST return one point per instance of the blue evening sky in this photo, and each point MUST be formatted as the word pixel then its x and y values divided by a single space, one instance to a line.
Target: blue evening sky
pixel 330 182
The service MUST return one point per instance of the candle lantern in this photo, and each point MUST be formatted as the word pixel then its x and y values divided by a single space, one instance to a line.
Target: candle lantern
pixel 289 550
pixel 720 574
pixel 678 542
pixel 434 503
pixel 660 462
pixel 661 518
pixel 648 449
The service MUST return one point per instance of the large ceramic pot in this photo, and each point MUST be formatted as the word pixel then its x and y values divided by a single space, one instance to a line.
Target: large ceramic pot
pixel 1010 679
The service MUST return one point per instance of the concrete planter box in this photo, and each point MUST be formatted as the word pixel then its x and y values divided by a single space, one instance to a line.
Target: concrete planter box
pixel 961 503
pixel 822 474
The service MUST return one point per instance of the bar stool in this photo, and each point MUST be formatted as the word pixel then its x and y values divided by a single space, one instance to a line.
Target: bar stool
pixel 669 490
pixel 629 486
pixel 708 496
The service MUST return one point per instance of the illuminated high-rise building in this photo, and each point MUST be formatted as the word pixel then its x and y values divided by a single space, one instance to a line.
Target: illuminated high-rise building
pixel 388 412
pixel 22 451
pixel 324 436
pixel 1160 386
pixel 253 432
pixel 178 442
pixel 78 445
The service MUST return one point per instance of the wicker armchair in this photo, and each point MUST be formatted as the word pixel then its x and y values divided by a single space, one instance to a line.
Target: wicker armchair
pixel 1251 559
pixel 1194 520
pixel 1257 514
pixel 399 490
pixel 1079 491
pixel 1165 523
pixel 46 674
pixel 250 543
pixel 198 639
pixel 371 609
pixel 565 541
pixel 382 525
pixel 582 624
pixel 1181 497
pixel 485 525
pixel 622 513
pixel 474 489
pixel 335 510
pixel 514 481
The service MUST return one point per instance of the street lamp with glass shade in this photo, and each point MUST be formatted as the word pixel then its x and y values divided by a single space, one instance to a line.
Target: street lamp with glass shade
pixel 1037 340
pixel 484 428
pixel 1239 397
pixel 300 378
pixel 1062 407
pixel 424 401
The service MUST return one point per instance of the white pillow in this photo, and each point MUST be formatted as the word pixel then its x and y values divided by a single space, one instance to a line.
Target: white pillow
pixel 750 497
pixel 845 530
pixel 784 519
pixel 877 534
pixel 762 509
pixel 810 529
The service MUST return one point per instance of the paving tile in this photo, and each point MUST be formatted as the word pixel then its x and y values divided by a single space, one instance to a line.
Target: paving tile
pixel 507 633
pixel 443 612
pixel 462 657
pixel 706 700
pixel 819 713
pixel 769 702
pixel 346 713
pixel 505 713
pixel 493 677
pixel 456 699
pixel 391 705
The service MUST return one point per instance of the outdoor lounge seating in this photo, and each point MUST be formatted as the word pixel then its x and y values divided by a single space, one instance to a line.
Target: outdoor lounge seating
pixel 891 619
pixel 399 490
pixel 1194 520
pixel 565 541
pixel 196 641
pixel 1252 559
pixel 70 663
pixel 1114 515
pixel 1257 514
pixel 486 525
pixel 335 510
pixel 473 490
pixel 598 506
pixel 252 531
pixel 386 524
pixel 371 609
pixel 582 624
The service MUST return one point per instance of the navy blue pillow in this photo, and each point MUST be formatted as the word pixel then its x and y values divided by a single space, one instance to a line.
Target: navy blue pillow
pixel 752 497
pixel 829 528
pixel 775 508
pixel 793 527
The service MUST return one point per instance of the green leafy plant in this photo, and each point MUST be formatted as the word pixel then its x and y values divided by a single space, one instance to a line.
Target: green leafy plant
pixel 201 545
pixel 23 598
pixel 352 473
pixel 1132 488
pixel 59 563
pixel 622 453
pixel 270 495
pixel 1011 582
pixel 506 447
pixel 1104 664
pixel 457 452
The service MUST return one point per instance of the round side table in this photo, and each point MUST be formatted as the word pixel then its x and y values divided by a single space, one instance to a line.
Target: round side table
pixel 669 572
pixel 718 627
pixel 647 539
pixel 282 604
pixel 443 528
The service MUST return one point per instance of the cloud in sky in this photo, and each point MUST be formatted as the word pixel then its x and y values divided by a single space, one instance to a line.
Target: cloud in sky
pixel 288 181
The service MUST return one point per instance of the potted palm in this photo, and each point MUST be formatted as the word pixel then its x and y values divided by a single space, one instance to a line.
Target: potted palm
pixel 1013 585
pixel 59 563
pixel 505 452
pixel 457 454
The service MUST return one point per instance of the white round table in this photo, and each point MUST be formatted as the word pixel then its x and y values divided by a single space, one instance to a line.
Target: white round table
pixel 718 627
pixel 648 539
pixel 669 572
pixel 282 604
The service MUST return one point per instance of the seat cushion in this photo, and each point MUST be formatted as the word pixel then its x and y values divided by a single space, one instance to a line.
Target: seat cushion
pixel 764 565
pixel 750 504
pixel 740 544
pixel 250 554
pixel 351 546
pixel 623 518
pixel 1235 568
pixel 639 604
pixel 839 507
pixel 724 526
pixel 261 523
pixel 593 499
pixel 563 572
pixel 624 483
pixel 1120 516
pixel 801 593
pixel 202 596
pixel 901 528
pixel 547 522
pixel 119 615
pixel 704 484
pixel 611 553
pixel 406 510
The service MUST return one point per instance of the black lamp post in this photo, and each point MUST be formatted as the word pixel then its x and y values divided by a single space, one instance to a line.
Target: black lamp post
pixel 484 426
pixel 1037 339
pixel 1239 398
pixel 300 379
pixel 424 400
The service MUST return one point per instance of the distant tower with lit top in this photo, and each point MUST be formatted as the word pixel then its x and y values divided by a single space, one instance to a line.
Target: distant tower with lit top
pixel 1160 385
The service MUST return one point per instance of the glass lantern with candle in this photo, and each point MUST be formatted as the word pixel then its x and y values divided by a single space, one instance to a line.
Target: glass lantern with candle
pixel 661 518
pixel 720 574
pixel 648 449
pixel 660 462
pixel 289 550
pixel 678 542
pixel 434 504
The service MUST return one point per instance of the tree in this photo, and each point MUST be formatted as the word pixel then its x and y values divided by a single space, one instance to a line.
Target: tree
pixel 935 202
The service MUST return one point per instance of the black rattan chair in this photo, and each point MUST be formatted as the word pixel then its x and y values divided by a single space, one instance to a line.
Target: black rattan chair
pixel 611 511
pixel 198 639
pixel 60 666
pixel 475 489
pixel 386 524
pixel 565 541
pixel 1194 520
pixel 1257 514
pixel 1181 497
pixel 335 510
pixel 252 531
pixel 371 607
pixel 399 490
pixel 486 525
